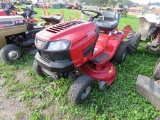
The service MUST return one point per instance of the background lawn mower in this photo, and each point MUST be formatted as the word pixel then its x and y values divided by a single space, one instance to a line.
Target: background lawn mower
pixel 8 9
pixel 27 13
pixel 17 34
pixel 149 28
pixel 83 50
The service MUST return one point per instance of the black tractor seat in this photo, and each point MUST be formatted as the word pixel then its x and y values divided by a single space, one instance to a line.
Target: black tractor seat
pixel 51 19
pixel 111 20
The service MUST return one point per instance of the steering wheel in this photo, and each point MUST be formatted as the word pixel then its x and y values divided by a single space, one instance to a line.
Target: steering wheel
pixel 9 7
pixel 27 11
pixel 90 15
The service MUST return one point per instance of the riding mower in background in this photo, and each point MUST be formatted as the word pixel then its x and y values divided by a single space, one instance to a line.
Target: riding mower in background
pixel 8 9
pixel 149 28
pixel 83 50
pixel 18 35
pixel 27 13
pixel 122 9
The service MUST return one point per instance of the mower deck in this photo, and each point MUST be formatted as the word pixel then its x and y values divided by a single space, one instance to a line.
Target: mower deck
pixel 107 74
pixel 149 89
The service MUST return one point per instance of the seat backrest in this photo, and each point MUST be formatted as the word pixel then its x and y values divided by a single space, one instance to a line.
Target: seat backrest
pixel 30 7
pixel 111 16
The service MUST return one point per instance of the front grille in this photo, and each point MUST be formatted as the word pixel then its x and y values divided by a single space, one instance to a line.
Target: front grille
pixel 55 56
pixel 45 59
pixel 60 27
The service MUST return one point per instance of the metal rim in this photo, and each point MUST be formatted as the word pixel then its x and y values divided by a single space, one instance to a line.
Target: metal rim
pixel 13 55
pixel 86 92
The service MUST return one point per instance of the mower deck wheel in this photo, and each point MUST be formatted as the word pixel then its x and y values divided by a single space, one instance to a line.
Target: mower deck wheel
pixel 80 89
pixel 121 53
pixel 37 68
pixel 102 85
pixel 10 53
pixel 132 40
pixel 156 72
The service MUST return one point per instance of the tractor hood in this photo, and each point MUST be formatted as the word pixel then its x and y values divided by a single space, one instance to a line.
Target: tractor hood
pixel 11 21
pixel 152 18
pixel 7 18
pixel 71 31
pixel 75 40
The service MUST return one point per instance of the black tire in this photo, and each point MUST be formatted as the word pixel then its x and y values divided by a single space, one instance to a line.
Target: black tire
pixel 121 53
pixel 80 89
pixel 37 69
pixel 10 53
pixel 156 71
pixel 132 40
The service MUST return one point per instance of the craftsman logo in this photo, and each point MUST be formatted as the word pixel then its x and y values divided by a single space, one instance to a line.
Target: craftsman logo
pixel 19 21
pixel 39 44
pixel 91 33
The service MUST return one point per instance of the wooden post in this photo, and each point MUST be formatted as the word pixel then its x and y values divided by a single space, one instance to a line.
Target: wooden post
pixel 62 14
pixel 82 16
pixel 43 12
pixel 69 19
pixel 76 15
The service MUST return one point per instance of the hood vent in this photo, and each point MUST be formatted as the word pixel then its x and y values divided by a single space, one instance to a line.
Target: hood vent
pixel 62 26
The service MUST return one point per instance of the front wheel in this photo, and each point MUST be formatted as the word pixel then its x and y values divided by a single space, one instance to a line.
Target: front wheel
pixel 37 69
pixel 80 89
pixel 10 53
pixel 121 53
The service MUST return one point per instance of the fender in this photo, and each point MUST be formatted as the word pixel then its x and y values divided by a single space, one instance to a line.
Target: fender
pixel 2 13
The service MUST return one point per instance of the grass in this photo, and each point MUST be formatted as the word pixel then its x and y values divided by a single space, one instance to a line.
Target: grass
pixel 47 99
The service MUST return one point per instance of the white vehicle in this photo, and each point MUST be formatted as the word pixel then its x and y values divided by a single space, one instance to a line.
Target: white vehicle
pixel 154 5
pixel 149 28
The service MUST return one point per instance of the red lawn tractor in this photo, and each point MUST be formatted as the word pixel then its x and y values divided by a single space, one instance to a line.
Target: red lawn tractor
pixel 84 50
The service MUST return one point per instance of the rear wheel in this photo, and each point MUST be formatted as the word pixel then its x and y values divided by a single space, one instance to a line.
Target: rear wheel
pixel 10 53
pixel 80 89
pixel 156 72
pixel 132 40
pixel 121 53
pixel 37 69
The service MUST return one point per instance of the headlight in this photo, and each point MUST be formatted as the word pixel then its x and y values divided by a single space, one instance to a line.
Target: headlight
pixel 59 45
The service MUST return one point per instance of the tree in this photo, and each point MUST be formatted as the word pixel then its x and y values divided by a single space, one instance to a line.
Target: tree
pixel 112 2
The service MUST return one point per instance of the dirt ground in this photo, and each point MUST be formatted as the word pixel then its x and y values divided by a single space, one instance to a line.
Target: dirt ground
pixel 134 13
pixel 11 108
